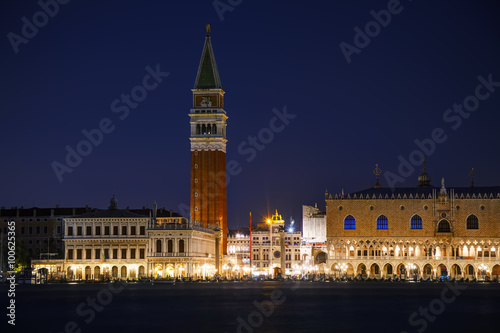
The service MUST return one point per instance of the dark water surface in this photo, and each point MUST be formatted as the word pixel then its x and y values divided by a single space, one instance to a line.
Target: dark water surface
pixel 255 307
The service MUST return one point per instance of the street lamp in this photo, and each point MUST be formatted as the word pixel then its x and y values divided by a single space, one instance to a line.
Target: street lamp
pixel 341 268
pixel 482 268
pixel 411 269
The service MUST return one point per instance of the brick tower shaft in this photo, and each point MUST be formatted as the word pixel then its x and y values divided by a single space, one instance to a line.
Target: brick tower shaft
pixel 208 146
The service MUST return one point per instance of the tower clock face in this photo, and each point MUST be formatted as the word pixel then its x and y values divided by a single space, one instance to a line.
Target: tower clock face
pixel 276 254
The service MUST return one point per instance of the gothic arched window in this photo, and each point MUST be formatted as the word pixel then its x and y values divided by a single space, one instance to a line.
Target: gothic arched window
pixel 444 226
pixel 472 222
pixel 382 222
pixel 349 223
pixel 416 222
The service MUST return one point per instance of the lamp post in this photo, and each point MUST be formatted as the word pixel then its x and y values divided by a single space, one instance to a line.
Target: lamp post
pixel 483 269
pixel 341 268
pixel 411 269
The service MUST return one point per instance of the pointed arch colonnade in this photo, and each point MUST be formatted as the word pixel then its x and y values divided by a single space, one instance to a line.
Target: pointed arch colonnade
pixel 383 258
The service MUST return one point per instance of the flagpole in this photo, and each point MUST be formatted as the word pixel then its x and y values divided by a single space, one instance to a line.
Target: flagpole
pixel 250 262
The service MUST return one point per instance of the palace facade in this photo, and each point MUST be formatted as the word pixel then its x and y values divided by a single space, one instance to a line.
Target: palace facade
pixel 423 231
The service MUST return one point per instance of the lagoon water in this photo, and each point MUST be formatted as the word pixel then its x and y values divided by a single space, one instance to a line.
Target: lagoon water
pixel 255 307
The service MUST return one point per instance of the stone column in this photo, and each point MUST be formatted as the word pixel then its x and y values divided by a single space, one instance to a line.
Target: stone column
pixel 283 253
pixel 217 234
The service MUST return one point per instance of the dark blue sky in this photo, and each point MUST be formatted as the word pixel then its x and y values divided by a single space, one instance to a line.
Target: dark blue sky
pixel 270 54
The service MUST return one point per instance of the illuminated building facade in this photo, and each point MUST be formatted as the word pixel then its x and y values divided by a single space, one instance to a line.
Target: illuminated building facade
pixel 272 247
pixel 313 250
pixel 106 243
pixel 423 232
pixel 180 249
pixel 238 252
pixel 208 146
pixel 129 244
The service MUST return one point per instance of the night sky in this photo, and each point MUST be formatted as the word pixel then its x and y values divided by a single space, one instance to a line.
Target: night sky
pixel 396 89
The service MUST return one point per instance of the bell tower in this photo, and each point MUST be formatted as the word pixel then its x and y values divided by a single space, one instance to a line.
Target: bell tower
pixel 208 145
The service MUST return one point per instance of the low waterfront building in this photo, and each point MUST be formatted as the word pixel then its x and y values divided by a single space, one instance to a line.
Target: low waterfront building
pixel 108 243
pixel 121 243
pixel 181 249
pixel 39 229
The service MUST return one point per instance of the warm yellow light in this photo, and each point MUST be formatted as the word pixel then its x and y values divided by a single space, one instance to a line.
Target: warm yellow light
pixel 268 221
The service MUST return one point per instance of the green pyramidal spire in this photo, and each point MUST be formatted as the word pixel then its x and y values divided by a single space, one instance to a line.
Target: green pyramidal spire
pixel 208 75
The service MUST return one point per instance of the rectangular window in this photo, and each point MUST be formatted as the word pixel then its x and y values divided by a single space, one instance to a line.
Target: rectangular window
pixel 70 254
pixel 30 230
pixel 58 229
pixel 132 253
pixel 79 231
pixel 45 230
pixel 124 253
pixel 132 230
pixel 79 254
pixel 89 230
pixel 98 230
pixel 143 230
pixel 22 230
pixel 141 254
pixel 88 254
pixel 97 254
pixel 106 253
pixel 124 230
pixel 115 230
pixel 38 230
pixel 115 253
pixel 106 230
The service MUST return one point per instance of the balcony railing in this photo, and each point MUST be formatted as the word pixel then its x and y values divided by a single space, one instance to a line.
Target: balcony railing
pixel 177 226
pixel 412 257
pixel 178 254
pixel 106 237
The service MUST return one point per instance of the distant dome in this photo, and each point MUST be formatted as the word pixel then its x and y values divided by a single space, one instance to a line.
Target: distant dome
pixel 424 180
pixel 113 203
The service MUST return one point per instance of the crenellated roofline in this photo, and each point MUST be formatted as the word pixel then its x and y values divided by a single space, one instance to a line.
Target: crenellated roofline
pixel 491 192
